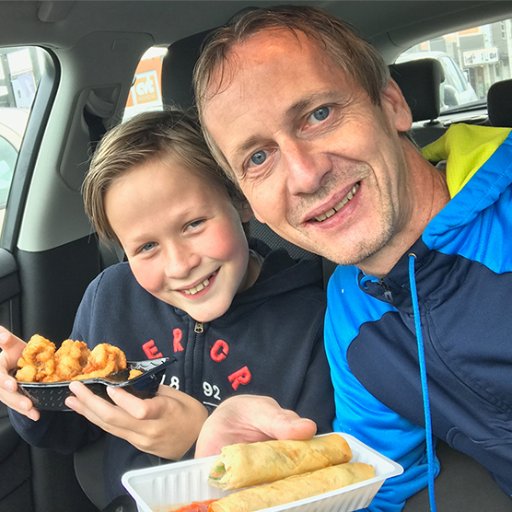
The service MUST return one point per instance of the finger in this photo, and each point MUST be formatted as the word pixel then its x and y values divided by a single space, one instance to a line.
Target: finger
pixel 246 418
pixel 278 423
pixel 11 346
pixel 288 425
pixel 8 383
pixel 21 404
pixel 97 410
pixel 137 407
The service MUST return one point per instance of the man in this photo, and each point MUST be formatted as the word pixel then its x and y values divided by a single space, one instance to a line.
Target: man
pixel 302 114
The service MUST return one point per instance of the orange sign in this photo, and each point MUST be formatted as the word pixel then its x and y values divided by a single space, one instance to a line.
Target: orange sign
pixel 146 84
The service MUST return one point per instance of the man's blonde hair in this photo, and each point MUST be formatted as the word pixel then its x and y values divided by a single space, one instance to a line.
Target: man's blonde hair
pixel 168 134
pixel 355 56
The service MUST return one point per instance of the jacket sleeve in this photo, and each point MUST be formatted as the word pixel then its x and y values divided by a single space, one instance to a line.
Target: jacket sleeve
pixel 63 432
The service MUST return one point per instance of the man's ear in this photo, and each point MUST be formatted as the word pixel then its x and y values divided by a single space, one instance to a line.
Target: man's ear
pixel 394 104
pixel 245 211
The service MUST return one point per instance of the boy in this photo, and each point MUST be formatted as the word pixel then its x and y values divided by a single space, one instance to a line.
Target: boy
pixel 238 318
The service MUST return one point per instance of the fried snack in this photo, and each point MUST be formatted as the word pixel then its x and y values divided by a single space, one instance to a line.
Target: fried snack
pixel 41 362
pixel 71 358
pixel 104 360
pixel 294 488
pixel 37 363
pixel 273 460
pixel 134 373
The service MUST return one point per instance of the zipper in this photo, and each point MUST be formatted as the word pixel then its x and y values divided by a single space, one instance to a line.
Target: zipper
pixel 387 292
pixel 199 328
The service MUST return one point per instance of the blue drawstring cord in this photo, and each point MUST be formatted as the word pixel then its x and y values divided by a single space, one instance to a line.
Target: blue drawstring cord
pixel 424 386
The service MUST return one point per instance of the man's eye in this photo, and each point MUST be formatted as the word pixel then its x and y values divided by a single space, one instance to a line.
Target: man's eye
pixel 258 158
pixel 320 114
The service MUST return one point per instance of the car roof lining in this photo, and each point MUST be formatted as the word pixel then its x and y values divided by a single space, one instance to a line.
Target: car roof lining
pixel 411 21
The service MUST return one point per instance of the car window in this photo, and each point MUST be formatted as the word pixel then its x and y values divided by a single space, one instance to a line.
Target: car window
pixel 20 74
pixel 146 90
pixel 472 60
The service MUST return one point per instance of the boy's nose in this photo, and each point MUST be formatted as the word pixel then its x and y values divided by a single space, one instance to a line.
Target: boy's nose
pixel 180 262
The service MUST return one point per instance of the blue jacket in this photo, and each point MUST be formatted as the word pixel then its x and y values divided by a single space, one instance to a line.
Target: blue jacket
pixel 464 288
pixel 270 342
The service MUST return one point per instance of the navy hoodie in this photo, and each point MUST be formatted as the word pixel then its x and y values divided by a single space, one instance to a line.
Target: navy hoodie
pixel 270 342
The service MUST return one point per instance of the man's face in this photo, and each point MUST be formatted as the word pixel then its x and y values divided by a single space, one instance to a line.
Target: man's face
pixel 318 162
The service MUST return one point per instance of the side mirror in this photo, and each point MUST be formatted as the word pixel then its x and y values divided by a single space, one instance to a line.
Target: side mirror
pixel 449 96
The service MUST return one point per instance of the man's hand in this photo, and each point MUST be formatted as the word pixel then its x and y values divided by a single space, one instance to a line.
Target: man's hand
pixel 250 418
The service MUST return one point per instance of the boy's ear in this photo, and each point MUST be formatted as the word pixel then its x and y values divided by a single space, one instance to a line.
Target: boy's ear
pixel 245 211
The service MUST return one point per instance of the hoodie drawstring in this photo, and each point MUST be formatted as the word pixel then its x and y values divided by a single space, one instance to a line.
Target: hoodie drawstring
pixel 424 386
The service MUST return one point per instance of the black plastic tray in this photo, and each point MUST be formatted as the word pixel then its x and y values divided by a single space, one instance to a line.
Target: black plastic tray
pixel 50 396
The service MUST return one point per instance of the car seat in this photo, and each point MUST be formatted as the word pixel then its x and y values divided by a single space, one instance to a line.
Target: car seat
pixel 499 104
pixel 420 82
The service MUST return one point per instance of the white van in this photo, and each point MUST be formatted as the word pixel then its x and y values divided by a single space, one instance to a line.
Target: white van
pixel 455 90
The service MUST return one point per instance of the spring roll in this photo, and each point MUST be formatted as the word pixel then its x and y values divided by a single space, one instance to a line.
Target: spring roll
pixel 242 465
pixel 294 488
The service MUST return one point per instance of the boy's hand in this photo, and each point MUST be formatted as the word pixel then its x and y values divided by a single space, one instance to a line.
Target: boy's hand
pixel 12 347
pixel 166 425
pixel 250 418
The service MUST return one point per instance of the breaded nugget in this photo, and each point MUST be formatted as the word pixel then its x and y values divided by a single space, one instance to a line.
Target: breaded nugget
pixel 70 358
pixel 104 360
pixel 37 362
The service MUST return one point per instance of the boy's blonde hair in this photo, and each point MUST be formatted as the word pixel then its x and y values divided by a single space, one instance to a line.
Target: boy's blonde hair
pixel 145 137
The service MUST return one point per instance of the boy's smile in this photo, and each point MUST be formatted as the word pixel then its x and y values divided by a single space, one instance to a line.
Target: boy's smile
pixel 203 285
pixel 182 235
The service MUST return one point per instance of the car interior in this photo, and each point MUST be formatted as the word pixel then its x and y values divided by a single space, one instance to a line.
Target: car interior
pixel 48 251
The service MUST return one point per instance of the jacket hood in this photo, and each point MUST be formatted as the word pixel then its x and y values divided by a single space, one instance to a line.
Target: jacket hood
pixel 478 171
pixel 280 273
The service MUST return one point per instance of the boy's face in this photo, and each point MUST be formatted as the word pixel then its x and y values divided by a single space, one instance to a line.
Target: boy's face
pixel 182 235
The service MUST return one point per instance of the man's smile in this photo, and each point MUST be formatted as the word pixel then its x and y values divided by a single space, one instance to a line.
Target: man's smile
pixel 338 206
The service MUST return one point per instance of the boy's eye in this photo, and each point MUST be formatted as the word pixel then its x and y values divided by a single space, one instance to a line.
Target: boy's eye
pixel 196 223
pixel 147 247
pixel 320 114
pixel 258 158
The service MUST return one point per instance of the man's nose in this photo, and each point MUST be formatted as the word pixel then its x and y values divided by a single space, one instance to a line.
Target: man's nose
pixel 305 166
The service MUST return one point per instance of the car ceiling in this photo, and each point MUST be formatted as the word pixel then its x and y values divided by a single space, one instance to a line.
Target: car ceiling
pixel 389 24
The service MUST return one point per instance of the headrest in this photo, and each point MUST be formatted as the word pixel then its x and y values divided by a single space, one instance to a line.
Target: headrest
pixel 420 82
pixel 177 68
pixel 499 104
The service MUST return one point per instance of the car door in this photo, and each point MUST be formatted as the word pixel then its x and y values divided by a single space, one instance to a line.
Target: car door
pixel 40 286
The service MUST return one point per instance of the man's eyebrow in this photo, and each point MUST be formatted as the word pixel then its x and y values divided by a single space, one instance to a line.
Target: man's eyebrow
pixel 247 144
pixel 311 101
pixel 291 113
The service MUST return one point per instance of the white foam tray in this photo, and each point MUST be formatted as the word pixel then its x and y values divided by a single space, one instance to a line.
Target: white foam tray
pixel 160 488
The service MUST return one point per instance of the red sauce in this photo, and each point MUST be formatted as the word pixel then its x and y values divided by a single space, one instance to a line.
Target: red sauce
pixel 195 506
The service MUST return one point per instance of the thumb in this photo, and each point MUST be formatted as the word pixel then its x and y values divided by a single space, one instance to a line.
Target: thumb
pixel 288 425
pixel 11 346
